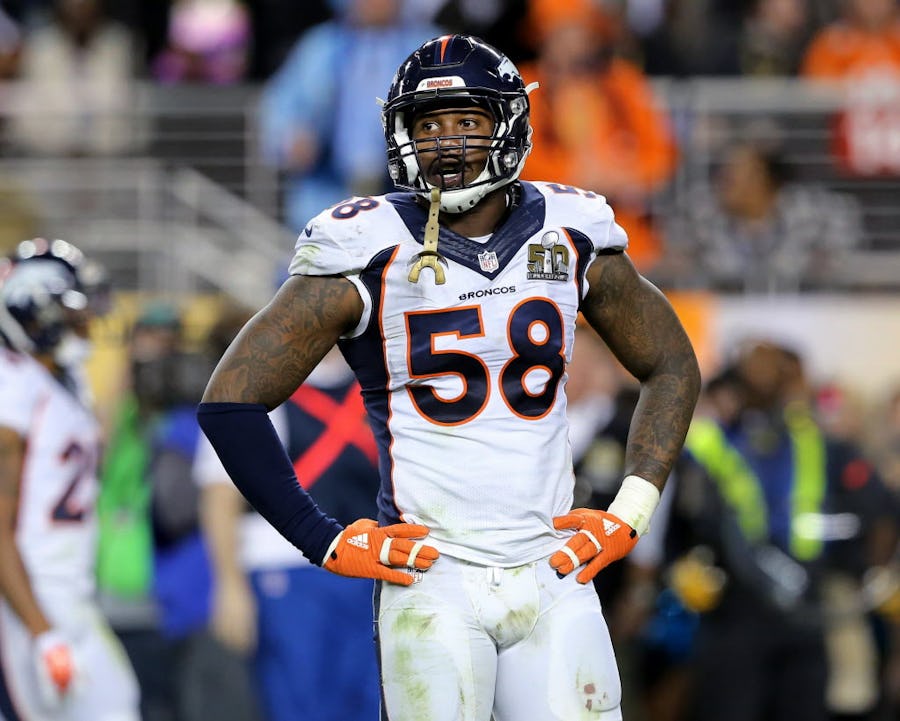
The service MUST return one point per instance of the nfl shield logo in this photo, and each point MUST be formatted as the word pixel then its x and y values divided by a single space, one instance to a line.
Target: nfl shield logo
pixel 487 261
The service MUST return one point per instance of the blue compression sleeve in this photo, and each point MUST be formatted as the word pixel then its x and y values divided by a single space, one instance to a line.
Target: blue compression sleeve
pixel 253 455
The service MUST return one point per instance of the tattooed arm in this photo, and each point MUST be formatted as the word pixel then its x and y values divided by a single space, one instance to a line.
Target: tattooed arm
pixel 643 332
pixel 641 329
pixel 15 585
pixel 271 356
pixel 279 347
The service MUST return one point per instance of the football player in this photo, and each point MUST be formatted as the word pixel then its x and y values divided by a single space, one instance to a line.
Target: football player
pixel 455 302
pixel 58 658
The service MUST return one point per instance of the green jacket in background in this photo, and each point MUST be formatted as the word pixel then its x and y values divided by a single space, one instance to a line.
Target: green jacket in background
pixel 125 544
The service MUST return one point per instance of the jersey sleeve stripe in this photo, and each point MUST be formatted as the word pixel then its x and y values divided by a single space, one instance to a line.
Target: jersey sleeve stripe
pixel 583 253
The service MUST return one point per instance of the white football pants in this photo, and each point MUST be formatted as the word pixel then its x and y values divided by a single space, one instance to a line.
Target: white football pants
pixel 468 641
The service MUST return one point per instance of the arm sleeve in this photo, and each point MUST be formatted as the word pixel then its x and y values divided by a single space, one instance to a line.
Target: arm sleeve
pixel 255 459
pixel 207 467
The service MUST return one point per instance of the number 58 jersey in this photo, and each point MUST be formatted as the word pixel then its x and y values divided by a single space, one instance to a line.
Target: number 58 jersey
pixel 464 380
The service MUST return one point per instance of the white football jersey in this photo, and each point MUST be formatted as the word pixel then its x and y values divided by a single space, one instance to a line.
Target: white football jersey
pixel 464 381
pixel 56 525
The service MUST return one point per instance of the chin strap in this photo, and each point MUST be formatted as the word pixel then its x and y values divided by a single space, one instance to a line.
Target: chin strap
pixel 429 257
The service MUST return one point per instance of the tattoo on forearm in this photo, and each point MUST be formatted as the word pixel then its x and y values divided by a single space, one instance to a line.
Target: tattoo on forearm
pixel 279 347
pixel 658 428
pixel 641 328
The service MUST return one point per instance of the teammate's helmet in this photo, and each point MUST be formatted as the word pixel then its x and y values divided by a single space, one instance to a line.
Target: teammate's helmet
pixel 41 291
pixel 451 70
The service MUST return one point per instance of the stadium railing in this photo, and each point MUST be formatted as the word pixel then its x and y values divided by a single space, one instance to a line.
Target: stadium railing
pixel 189 205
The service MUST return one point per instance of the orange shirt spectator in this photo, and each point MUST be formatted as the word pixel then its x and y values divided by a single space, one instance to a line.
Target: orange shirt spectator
pixel 846 50
pixel 596 122
pixel 863 47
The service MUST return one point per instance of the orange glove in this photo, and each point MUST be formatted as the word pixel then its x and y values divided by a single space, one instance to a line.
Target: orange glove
pixel 363 550
pixel 601 539
pixel 55 666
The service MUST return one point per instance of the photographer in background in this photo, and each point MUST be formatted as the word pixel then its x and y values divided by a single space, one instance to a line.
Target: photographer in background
pixel 153 566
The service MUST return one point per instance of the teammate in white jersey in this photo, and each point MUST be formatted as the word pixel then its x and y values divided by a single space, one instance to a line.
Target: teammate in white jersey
pixel 455 303
pixel 58 659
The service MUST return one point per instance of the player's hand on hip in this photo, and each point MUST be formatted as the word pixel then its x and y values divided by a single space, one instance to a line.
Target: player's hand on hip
pixel 601 538
pixel 54 663
pixel 365 550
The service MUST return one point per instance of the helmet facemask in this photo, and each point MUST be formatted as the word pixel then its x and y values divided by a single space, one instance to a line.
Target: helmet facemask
pixel 507 147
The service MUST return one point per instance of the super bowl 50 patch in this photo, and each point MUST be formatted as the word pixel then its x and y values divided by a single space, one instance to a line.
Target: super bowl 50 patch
pixel 549 260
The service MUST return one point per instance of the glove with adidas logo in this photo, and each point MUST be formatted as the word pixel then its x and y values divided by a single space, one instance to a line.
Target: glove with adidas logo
pixel 365 550
pixel 601 539
pixel 603 536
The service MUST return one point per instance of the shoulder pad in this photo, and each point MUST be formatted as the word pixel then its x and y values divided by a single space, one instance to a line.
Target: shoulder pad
pixel 343 238
pixel 584 211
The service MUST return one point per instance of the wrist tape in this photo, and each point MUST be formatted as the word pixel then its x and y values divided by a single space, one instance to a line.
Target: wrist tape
pixel 635 503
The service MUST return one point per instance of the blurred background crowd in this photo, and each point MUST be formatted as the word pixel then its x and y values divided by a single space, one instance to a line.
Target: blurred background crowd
pixel 751 149
pixel 747 145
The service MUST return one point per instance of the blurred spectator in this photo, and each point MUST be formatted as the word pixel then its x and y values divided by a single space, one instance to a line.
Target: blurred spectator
pixel 753 230
pixel 865 41
pixel 148 22
pixel 886 454
pixel 841 412
pixel 773 37
pixel 154 573
pixel 10 55
pixel 886 442
pixel 78 74
pixel 793 520
pixel 208 42
pixel 320 118
pixel 10 46
pixel 126 545
pixel 697 37
pixel 596 122
pixel 276 26
pixel 497 22
pixel 309 633
pixel 862 51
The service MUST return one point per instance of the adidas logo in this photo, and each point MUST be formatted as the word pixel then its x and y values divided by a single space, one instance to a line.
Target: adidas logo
pixel 610 527
pixel 360 541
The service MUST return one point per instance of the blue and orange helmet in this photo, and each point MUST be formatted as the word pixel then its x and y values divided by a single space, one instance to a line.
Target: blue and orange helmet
pixel 449 71
pixel 46 287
